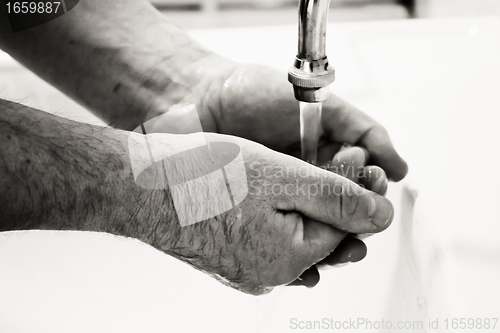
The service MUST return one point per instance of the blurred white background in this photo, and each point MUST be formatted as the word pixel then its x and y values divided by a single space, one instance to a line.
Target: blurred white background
pixel 196 14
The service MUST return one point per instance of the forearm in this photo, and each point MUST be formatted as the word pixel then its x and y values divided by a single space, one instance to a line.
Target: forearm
pixel 121 59
pixel 58 174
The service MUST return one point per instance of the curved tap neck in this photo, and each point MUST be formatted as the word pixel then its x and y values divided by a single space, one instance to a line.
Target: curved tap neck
pixel 313 17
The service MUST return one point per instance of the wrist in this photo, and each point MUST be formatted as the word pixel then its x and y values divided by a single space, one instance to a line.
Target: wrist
pixel 140 211
pixel 191 76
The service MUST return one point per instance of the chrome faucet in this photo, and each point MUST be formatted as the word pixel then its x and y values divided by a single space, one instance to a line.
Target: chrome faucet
pixel 311 73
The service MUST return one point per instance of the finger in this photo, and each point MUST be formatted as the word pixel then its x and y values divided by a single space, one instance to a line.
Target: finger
pixel 326 151
pixel 309 278
pixel 349 163
pixel 349 250
pixel 317 241
pixel 383 154
pixel 312 242
pixel 346 123
pixel 329 198
pixel 374 179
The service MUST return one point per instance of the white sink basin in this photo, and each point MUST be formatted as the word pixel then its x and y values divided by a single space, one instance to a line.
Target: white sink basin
pixel 87 282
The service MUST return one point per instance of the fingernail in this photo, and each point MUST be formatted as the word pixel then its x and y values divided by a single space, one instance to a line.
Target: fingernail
pixel 380 211
pixel 384 187
pixel 380 186
pixel 354 257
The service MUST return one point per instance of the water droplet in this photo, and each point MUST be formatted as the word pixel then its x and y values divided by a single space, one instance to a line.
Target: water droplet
pixel 239 214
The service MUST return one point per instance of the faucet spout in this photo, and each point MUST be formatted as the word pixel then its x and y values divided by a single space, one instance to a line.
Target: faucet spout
pixel 313 16
pixel 311 73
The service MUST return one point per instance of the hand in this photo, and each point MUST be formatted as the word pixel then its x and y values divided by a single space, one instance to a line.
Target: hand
pixel 351 164
pixel 283 226
pixel 257 103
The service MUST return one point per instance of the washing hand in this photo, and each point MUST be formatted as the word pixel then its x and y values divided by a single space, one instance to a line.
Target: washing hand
pixel 294 216
pixel 257 103
pixel 128 64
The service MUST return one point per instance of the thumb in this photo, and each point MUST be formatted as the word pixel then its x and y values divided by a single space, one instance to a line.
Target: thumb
pixel 334 200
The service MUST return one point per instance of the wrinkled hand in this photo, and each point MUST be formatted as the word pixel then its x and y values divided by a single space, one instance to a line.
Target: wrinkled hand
pixel 294 216
pixel 257 103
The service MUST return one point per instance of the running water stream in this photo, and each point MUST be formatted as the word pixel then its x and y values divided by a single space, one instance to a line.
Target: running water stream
pixel 310 120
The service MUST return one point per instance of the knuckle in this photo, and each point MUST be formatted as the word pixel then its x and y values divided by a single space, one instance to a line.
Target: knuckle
pixel 350 203
pixel 348 199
